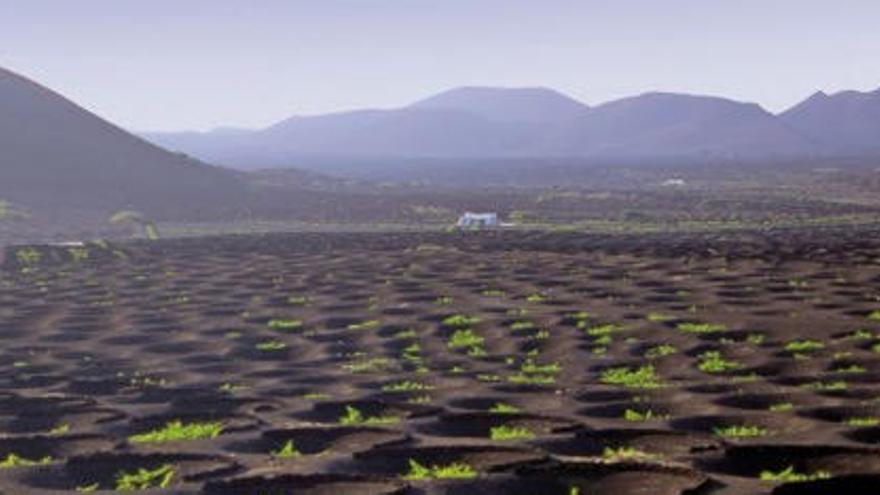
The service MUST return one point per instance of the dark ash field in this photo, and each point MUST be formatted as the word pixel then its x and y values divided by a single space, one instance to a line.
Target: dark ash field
pixel 439 248
pixel 490 362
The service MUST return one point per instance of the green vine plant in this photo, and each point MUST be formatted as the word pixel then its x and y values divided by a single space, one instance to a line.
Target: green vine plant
pixel 129 217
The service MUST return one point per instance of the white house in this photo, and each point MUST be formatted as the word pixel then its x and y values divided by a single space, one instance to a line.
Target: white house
pixel 673 183
pixel 477 220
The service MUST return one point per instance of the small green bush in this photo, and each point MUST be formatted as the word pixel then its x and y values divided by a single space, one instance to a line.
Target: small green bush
pixel 701 328
pixel 15 461
pixel 287 451
pixel 804 346
pixel 464 338
pixel 460 321
pixel 502 408
pixel 354 416
pixel 510 433
pixel 644 377
pixel 177 431
pixel 145 479
pixel 418 472
pixel 740 431
pixel 713 362
pixel 280 324
pixel 789 475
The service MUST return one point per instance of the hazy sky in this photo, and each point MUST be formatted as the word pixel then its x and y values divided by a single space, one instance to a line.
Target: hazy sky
pixel 196 64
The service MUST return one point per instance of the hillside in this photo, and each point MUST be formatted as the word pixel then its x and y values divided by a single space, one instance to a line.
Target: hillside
pixel 660 125
pixel 59 157
pixel 847 122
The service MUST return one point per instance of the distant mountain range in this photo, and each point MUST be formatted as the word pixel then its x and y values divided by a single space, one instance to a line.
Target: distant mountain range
pixel 57 156
pixel 493 123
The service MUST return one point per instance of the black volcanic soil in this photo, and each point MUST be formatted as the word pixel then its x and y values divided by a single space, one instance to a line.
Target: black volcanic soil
pixel 278 337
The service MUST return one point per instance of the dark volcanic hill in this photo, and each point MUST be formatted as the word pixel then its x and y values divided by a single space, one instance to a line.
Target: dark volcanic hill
pixel 847 122
pixel 58 156
pixel 510 105
pixel 661 125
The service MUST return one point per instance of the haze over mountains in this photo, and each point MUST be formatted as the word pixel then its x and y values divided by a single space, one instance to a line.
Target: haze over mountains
pixel 54 152
pixel 495 123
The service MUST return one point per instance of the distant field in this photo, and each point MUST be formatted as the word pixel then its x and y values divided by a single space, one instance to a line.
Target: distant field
pixel 593 200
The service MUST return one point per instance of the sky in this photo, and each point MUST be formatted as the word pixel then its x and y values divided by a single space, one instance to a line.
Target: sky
pixel 199 64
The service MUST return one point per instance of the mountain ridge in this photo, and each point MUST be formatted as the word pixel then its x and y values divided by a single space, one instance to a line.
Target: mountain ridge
pixel 485 122
pixel 847 121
